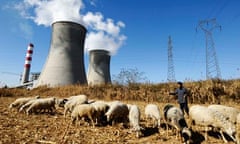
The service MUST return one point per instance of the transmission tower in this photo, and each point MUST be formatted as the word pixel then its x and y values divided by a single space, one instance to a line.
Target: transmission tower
pixel 171 73
pixel 212 67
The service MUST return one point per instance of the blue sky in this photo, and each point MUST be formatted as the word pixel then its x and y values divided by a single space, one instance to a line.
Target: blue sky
pixel 146 25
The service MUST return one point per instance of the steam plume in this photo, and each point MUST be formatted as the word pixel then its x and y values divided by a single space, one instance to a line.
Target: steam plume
pixel 102 33
pixel 105 34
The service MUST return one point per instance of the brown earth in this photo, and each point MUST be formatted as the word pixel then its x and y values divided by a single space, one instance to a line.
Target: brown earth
pixel 20 128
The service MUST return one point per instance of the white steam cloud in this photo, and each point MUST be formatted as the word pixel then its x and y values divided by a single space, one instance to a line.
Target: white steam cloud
pixel 46 12
pixel 102 33
pixel 105 34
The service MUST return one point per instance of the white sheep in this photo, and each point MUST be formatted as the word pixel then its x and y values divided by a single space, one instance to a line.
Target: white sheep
pixel 152 111
pixel 228 111
pixel 73 101
pixel 203 116
pixel 224 123
pixel 101 108
pixel 229 119
pixel 83 111
pixel 21 101
pixel 26 105
pixel 59 102
pixel 134 119
pixel 42 104
pixel 174 117
pixel 81 97
pixel 110 103
pixel 117 112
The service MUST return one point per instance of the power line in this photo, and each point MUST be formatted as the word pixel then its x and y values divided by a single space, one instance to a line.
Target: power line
pixel 218 8
pixel 224 5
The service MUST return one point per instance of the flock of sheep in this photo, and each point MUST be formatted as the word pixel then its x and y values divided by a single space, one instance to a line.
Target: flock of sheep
pixel 223 119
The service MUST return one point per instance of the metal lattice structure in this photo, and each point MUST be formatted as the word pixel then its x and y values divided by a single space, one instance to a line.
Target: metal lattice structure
pixel 212 66
pixel 171 72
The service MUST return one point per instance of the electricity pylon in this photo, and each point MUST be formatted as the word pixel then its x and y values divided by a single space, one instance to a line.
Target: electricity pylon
pixel 171 73
pixel 212 67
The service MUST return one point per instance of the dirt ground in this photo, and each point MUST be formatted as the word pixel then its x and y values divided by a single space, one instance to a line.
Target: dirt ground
pixel 19 128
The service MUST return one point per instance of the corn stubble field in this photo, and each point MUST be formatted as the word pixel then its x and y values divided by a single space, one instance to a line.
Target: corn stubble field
pixel 18 127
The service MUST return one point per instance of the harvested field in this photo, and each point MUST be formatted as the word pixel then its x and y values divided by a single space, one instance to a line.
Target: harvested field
pixel 18 127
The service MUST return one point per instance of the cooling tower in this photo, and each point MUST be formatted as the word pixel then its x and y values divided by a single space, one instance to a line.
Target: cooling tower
pixel 27 65
pixel 65 62
pixel 99 67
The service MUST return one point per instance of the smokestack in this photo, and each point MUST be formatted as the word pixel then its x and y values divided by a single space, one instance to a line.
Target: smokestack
pixel 27 65
pixel 99 67
pixel 65 63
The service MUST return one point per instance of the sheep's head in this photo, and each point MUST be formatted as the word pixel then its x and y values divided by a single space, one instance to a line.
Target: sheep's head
pixel 61 102
pixel 186 134
pixel 231 130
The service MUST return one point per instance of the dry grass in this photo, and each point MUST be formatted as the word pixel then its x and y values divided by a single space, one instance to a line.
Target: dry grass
pixel 212 91
pixel 44 128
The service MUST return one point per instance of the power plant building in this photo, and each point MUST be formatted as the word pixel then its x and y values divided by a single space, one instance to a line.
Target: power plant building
pixel 65 62
pixel 99 67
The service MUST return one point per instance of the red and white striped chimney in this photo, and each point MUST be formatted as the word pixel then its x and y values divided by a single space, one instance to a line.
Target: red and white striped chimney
pixel 27 65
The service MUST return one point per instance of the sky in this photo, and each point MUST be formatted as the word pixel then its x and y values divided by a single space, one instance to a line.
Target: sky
pixel 134 31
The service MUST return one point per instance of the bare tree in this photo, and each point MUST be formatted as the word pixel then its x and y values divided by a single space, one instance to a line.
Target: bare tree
pixel 128 76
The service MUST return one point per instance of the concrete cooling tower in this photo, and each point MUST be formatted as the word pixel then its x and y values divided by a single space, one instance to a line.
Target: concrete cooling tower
pixel 65 62
pixel 99 67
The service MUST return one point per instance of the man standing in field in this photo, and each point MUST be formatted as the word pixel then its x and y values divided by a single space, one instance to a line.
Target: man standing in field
pixel 181 94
